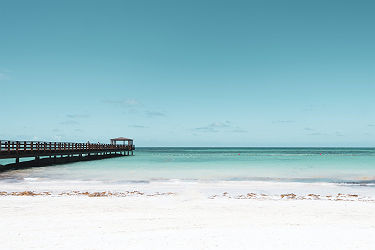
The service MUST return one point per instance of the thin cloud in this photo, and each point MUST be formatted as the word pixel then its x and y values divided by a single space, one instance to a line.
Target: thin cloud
pixel 316 134
pixel 309 129
pixel 338 133
pixel 215 127
pixel 128 106
pixel 69 122
pixel 131 102
pixel 123 102
pixel 239 130
pixel 206 129
pixel 371 125
pixel 154 114
pixel 112 101
pixel 225 124
pixel 284 121
pixel 313 107
pixel 137 126
pixel 75 116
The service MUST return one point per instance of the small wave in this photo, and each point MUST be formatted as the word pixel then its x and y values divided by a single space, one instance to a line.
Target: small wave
pixel 358 183
pixel 128 182
pixel 30 179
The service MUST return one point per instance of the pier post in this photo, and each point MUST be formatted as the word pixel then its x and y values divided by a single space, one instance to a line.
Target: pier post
pixel 17 160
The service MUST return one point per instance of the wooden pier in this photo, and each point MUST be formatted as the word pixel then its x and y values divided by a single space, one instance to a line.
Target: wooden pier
pixel 51 153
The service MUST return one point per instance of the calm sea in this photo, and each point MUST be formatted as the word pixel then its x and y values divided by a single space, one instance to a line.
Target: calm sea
pixel 332 165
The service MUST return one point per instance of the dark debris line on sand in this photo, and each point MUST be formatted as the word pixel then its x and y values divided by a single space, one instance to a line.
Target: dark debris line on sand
pixel 254 196
pixel 292 196
pixel 78 193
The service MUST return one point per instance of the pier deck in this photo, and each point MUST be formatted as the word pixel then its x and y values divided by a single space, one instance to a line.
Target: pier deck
pixel 58 152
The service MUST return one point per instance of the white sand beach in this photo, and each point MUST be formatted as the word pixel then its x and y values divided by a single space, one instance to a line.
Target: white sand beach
pixel 184 220
pixel 187 125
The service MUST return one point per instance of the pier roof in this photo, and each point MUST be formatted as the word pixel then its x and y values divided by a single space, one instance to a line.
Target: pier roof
pixel 121 139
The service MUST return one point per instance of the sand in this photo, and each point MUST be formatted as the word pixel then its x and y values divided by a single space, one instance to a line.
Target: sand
pixel 183 221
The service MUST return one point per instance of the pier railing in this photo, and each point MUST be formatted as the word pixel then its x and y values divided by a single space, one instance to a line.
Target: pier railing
pixel 31 146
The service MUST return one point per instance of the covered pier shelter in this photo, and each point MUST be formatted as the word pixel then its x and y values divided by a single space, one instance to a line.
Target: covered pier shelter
pixel 125 142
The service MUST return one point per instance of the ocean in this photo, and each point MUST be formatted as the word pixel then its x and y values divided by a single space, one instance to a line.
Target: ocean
pixel 307 165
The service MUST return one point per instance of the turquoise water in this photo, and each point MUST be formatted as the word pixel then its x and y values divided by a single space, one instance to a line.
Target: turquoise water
pixel 337 165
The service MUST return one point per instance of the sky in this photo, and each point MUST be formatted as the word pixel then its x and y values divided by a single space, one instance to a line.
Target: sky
pixel 189 73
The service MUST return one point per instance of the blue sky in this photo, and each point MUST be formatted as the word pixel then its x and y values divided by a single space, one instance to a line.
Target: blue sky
pixel 189 73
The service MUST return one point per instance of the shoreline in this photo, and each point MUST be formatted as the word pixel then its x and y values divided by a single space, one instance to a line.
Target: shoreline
pixel 233 189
